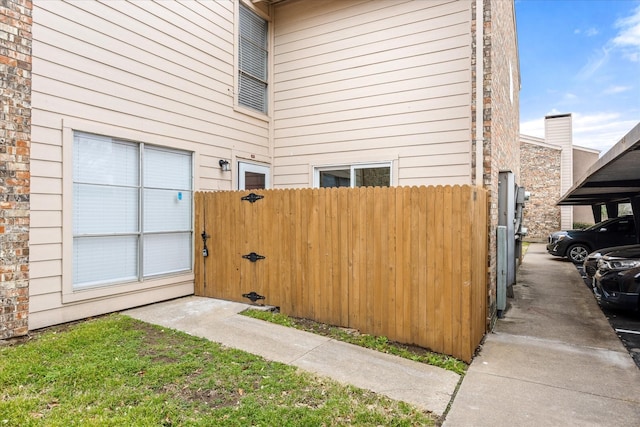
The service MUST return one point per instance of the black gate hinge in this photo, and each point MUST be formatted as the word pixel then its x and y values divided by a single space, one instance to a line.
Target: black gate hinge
pixel 252 198
pixel 253 257
pixel 253 296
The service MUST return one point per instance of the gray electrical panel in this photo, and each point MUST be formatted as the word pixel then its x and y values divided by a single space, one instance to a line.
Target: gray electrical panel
pixel 511 200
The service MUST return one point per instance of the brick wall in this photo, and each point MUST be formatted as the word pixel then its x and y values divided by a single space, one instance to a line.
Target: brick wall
pixel 501 82
pixel 15 140
pixel 541 177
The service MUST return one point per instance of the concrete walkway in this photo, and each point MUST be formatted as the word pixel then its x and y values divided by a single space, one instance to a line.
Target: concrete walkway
pixel 427 387
pixel 554 360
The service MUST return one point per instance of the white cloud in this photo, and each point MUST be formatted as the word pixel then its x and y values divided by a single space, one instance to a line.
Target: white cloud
pixel 587 122
pixel 533 128
pixel 616 89
pixel 594 63
pixel 628 37
pixel 626 41
pixel 599 131
pixel 629 34
pixel 590 32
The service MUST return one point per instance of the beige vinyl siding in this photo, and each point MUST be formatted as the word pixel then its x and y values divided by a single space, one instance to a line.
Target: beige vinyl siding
pixel 583 159
pixel 558 131
pixel 45 237
pixel 155 72
pixel 373 81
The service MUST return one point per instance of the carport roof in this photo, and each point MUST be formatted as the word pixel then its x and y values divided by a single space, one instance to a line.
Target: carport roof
pixel 615 177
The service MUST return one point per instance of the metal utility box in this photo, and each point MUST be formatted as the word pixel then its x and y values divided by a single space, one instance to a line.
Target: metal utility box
pixel 511 200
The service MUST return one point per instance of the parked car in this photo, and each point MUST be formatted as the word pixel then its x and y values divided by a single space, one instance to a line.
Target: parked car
pixel 617 281
pixel 577 244
pixel 590 264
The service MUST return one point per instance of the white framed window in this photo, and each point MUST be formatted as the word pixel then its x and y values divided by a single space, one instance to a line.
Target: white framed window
pixel 356 175
pixel 253 60
pixel 132 211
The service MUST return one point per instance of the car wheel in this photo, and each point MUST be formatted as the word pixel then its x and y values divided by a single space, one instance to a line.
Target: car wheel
pixel 577 253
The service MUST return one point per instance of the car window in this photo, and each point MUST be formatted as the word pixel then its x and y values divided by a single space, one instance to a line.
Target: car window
pixel 615 224
pixel 599 225
pixel 631 227
pixel 620 226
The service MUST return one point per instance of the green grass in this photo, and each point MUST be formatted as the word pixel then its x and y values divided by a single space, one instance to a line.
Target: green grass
pixel 116 371
pixel 381 344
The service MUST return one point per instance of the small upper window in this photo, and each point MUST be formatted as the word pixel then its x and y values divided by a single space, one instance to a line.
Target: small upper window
pixel 252 63
pixel 378 175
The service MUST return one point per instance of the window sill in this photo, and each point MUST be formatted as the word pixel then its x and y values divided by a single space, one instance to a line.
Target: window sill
pixel 118 289
pixel 253 113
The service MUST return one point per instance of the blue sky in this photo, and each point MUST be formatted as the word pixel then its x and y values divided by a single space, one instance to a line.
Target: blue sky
pixel 580 57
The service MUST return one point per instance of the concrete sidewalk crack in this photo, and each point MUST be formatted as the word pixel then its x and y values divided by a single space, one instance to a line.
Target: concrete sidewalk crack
pixel 312 350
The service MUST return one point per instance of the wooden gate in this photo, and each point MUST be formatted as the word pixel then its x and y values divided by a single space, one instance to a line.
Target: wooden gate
pixel 408 263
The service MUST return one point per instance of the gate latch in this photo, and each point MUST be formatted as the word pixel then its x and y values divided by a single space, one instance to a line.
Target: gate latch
pixel 205 250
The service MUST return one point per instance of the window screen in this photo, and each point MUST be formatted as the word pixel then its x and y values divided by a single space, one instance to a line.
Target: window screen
pixel 355 176
pixel 131 218
pixel 372 177
pixel 253 55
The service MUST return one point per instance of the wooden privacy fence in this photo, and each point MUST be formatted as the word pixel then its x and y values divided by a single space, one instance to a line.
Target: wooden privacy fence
pixel 408 263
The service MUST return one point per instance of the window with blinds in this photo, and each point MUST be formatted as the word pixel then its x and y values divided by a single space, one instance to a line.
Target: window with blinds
pixel 252 67
pixel 132 211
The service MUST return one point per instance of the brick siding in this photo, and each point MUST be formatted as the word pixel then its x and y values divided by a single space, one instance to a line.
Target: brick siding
pixel 501 82
pixel 542 179
pixel 15 142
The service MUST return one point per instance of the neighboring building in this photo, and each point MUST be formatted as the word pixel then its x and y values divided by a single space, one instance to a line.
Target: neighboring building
pixel 136 105
pixel 550 166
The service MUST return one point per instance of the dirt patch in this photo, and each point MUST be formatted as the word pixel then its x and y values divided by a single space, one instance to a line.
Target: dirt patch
pixel 164 346
pixel 153 335
pixel 210 397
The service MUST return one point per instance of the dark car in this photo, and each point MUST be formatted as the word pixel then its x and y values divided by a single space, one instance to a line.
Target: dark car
pixel 577 244
pixel 617 281
pixel 590 264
